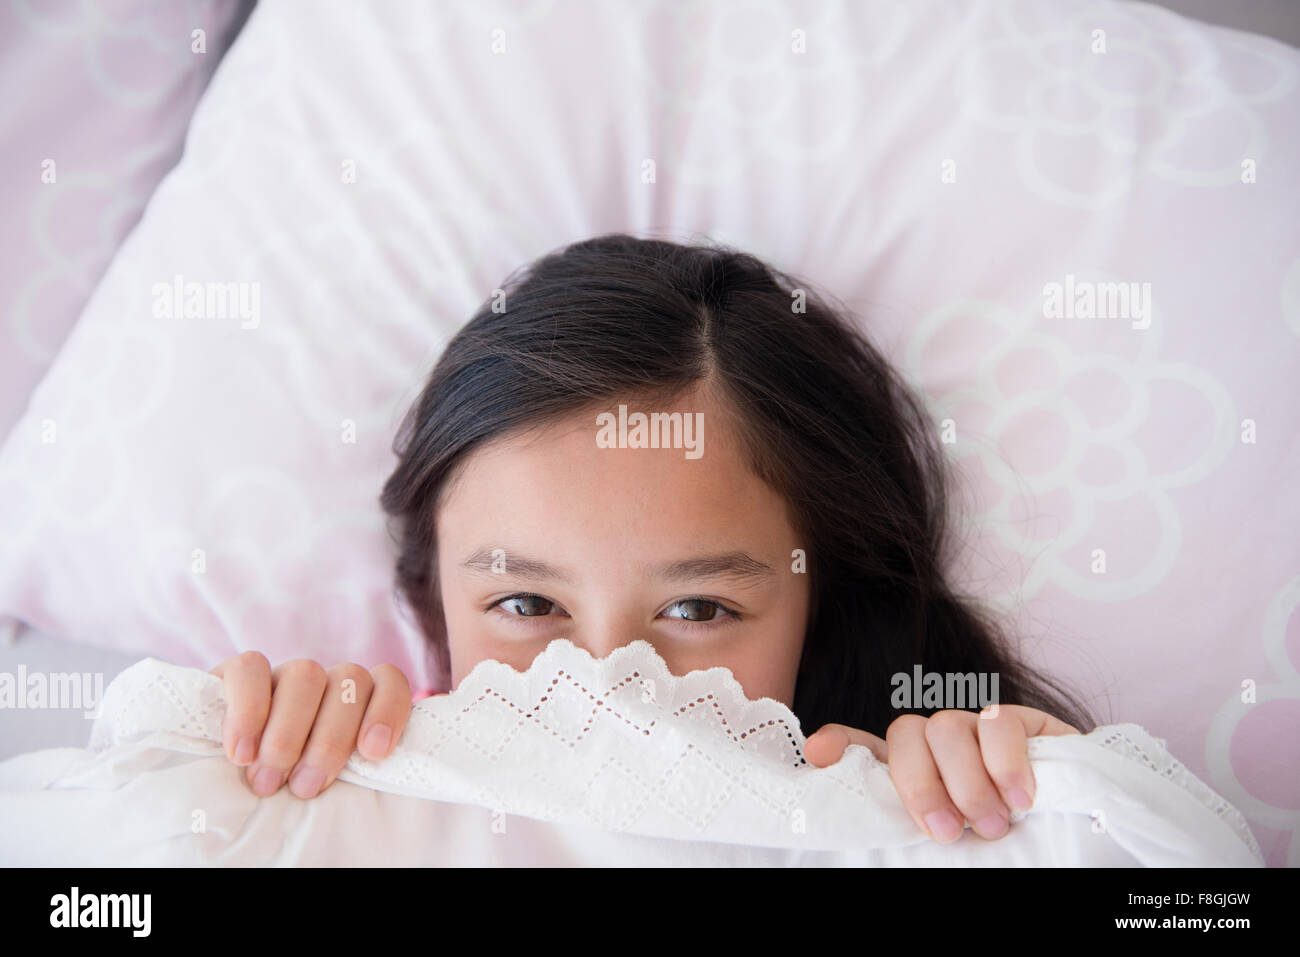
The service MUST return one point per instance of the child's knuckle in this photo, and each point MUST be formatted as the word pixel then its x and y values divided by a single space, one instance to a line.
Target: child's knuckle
pixel 921 794
pixel 306 670
pixel 330 754
pixel 277 749
pixel 388 671
pixel 945 726
pixel 903 723
pixel 350 671
pixel 253 659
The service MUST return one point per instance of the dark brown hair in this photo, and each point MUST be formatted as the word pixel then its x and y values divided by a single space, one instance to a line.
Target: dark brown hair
pixel 824 419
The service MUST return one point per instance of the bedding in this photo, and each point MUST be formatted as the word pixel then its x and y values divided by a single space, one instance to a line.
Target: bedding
pixel 576 761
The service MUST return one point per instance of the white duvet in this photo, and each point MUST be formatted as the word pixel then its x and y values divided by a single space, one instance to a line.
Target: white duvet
pixel 577 761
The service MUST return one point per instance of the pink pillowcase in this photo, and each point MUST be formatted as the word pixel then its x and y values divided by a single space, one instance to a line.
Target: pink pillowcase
pixel 117 84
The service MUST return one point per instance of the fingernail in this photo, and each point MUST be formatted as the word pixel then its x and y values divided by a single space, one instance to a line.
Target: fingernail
pixel 377 738
pixel 307 782
pixel 267 781
pixel 943 826
pixel 245 751
pixel 992 827
pixel 1020 800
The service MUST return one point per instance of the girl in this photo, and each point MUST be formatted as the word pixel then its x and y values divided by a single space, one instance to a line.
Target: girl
pixel 788 522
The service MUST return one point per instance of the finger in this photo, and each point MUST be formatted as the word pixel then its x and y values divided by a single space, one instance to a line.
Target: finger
pixel 1004 744
pixel 387 713
pixel 1037 723
pixel 916 778
pixel 246 688
pixel 954 742
pixel 828 744
pixel 333 735
pixel 1004 733
pixel 297 687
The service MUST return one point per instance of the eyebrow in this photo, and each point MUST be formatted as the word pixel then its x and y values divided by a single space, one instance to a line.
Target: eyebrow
pixel 737 566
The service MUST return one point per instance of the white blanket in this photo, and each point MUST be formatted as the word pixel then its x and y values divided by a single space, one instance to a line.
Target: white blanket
pixel 576 761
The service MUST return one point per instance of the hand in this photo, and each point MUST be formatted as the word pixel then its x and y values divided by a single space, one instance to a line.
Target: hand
pixel 313 727
pixel 954 766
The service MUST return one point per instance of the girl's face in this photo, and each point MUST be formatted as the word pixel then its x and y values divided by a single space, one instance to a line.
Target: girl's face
pixel 603 546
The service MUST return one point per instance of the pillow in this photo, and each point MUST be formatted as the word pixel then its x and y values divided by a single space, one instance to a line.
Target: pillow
pixel 198 474
pixel 579 760
pixel 117 85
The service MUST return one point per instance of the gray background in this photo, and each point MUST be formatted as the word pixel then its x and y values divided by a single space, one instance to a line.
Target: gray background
pixel 1274 18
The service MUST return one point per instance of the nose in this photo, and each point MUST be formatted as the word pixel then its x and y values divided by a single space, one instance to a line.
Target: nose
pixel 605 628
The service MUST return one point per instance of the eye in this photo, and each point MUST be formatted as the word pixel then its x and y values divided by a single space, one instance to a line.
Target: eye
pixel 696 611
pixel 526 606
pixel 703 611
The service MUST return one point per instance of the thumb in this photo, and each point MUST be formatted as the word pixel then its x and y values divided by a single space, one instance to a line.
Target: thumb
pixel 829 743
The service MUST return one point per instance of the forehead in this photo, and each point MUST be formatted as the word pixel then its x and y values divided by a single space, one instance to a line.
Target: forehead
pixel 556 488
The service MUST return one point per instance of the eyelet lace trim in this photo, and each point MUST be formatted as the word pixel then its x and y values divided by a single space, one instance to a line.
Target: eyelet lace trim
pixel 1133 742
pixel 558 742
